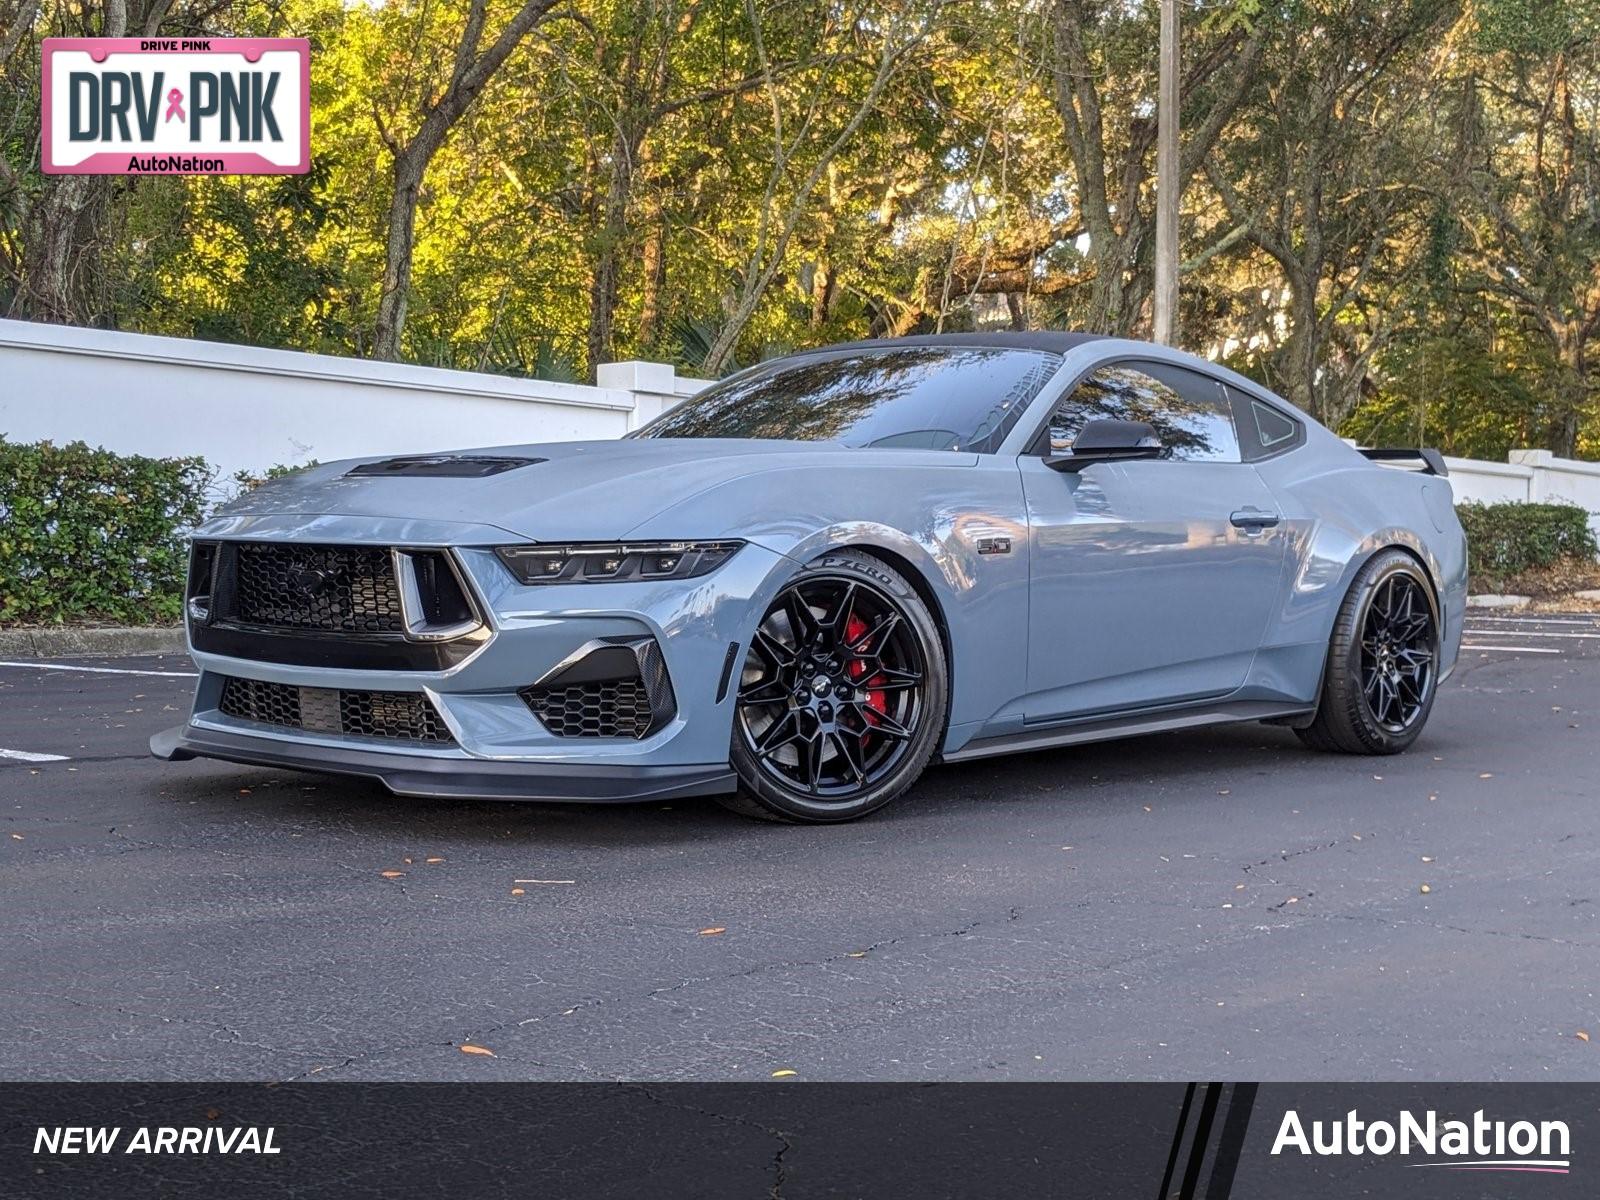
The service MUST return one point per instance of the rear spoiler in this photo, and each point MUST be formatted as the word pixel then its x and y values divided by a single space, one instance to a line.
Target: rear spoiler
pixel 1432 462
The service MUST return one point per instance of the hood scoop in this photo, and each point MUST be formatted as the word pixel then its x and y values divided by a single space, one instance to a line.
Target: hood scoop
pixel 443 466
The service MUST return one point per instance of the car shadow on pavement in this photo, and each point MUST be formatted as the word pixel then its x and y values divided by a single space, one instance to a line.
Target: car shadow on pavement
pixel 1089 774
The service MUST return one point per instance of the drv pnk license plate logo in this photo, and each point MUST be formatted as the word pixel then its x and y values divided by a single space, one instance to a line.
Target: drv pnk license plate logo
pixel 170 106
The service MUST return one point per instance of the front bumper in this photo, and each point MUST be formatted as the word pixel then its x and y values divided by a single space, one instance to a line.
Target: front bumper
pixel 453 776
pixel 496 745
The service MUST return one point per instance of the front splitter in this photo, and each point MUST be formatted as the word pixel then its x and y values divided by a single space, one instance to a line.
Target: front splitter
pixel 452 778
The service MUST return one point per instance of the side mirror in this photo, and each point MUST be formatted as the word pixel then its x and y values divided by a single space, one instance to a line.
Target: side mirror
pixel 1108 441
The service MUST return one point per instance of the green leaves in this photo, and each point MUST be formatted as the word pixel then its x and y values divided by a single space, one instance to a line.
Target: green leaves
pixel 89 534
pixel 1508 538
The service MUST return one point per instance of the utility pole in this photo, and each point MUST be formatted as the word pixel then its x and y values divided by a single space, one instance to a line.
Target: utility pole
pixel 1167 183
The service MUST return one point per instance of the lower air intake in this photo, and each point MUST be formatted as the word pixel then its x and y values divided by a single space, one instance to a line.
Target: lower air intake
pixel 393 716
pixel 614 690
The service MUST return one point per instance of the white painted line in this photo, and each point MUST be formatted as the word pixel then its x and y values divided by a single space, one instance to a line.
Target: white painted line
pixel 1515 649
pixel 35 666
pixel 1538 620
pixel 26 756
pixel 1531 633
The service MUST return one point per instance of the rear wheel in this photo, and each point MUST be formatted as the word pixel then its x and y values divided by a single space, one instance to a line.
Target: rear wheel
pixel 1378 686
pixel 841 697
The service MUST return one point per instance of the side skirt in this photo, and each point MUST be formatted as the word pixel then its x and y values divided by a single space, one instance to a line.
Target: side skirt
pixel 1050 737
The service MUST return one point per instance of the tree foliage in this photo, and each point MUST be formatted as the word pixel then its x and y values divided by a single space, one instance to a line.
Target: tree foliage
pixel 1391 210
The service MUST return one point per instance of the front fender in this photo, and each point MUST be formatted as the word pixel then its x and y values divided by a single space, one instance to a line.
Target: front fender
pixel 962 529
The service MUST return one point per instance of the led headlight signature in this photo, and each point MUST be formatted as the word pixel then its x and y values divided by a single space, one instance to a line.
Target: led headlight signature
pixel 614 562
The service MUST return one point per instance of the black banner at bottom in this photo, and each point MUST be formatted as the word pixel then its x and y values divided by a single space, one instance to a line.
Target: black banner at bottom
pixel 879 1141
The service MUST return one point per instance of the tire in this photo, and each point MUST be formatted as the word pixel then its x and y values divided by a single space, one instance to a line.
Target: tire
pixel 842 695
pixel 1381 675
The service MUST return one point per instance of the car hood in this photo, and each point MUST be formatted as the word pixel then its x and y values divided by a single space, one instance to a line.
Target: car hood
pixel 568 491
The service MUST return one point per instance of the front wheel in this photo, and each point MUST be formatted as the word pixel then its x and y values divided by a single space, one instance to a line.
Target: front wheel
pixel 842 695
pixel 1383 660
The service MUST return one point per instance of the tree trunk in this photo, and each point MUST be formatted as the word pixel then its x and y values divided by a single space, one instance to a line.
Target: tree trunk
pixel 410 165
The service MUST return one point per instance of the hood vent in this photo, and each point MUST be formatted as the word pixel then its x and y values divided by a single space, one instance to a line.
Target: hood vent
pixel 443 466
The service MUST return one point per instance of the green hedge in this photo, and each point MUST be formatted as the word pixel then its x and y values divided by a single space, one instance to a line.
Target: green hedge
pixel 86 534
pixel 1506 539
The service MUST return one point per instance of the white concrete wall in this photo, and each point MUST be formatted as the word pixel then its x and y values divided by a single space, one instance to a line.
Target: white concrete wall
pixel 1530 475
pixel 244 408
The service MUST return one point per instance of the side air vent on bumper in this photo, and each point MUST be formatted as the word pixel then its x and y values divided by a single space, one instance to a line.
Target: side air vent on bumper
pixel 396 716
pixel 611 688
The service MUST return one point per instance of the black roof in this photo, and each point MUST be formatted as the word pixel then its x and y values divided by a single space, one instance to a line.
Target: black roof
pixel 1049 340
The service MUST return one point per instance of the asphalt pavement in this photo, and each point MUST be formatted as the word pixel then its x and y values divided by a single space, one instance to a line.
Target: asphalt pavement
pixel 1216 904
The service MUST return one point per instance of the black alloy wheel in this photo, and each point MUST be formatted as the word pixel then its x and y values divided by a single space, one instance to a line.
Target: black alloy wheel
pixel 1397 653
pixel 841 696
pixel 1382 670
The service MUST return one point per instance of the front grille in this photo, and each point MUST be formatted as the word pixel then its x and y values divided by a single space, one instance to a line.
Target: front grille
pixel 334 589
pixel 614 708
pixel 403 716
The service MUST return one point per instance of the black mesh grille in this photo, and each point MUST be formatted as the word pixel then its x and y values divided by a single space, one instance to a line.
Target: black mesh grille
pixel 613 708
pixel 617 690
pixel 407 716
pixel 338 589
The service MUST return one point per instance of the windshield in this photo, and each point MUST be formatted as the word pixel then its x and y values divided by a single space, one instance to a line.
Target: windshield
pixel 922 397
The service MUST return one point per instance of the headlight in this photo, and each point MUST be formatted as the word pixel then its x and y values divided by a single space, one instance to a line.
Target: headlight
pixel 613 562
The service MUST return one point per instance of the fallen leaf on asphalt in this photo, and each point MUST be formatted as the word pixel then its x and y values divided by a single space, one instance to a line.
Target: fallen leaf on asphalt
pixel 783 1074
pixel 435 859
pixel 469 1048
pixel 392 874
pixel 713 931
pixel 1581 1036
pixel 1426 889
pixel 519 891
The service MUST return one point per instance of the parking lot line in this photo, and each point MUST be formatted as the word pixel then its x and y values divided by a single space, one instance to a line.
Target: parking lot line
pixel 1515 649
pixel 1535 633
pixel 29 756
pixel 38 666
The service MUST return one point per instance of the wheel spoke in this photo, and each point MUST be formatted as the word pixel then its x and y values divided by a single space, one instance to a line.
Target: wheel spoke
pixel 883 628
pixel 772 738
pixel 889 727
pixel 768 691
pixel 849 748
pixel 841 616
pixel 802 621
pixel 778 655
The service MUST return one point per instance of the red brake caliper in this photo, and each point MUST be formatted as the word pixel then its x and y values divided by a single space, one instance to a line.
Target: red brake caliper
pixel 876 700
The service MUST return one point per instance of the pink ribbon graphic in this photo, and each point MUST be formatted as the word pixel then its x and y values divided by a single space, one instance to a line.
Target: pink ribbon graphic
pixel 175 105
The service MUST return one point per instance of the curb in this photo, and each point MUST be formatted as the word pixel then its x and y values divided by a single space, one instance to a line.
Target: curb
pixel 108 641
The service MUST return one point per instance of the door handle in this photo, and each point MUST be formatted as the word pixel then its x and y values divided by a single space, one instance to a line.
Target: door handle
pixel 1253 520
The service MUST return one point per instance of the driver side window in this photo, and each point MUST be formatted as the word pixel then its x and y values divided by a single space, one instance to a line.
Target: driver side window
pixel 1190 413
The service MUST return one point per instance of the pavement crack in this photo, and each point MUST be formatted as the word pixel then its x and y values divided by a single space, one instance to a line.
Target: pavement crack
pixel 778 1167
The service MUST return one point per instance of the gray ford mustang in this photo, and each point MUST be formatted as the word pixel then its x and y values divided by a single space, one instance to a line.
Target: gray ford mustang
pixel 801 587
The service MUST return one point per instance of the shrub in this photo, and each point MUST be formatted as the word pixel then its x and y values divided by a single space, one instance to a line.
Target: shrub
pixel 1506 539
pixel 88 534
